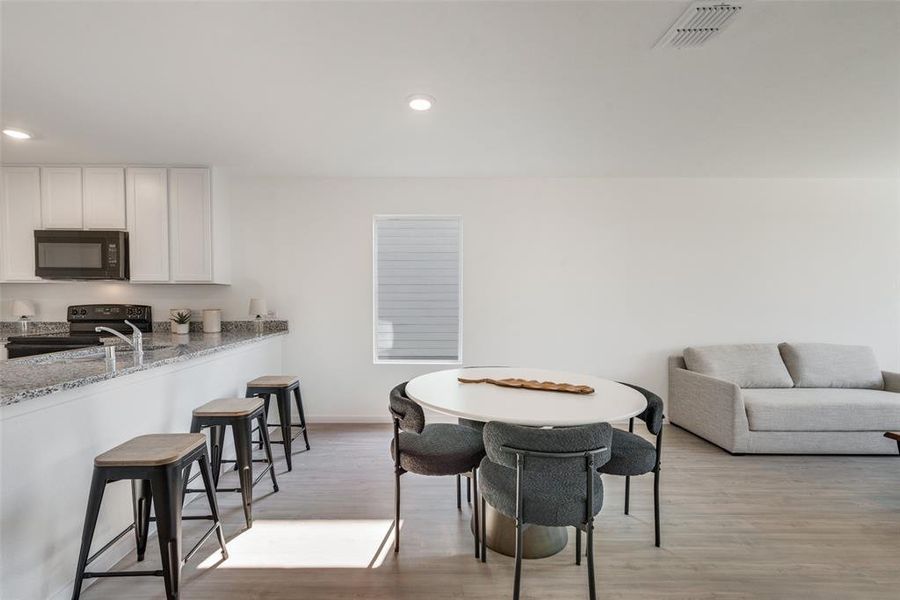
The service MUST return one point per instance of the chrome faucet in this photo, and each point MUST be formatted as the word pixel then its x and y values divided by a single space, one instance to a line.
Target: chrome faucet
pixel 136 341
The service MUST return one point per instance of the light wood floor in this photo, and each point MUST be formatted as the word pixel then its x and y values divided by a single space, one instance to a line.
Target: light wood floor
pixel 733 527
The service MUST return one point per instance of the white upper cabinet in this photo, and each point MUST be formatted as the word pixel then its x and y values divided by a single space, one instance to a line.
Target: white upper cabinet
pixel 190 225
pixel 61 198
pixel 104 198
pixel 148 224
pixel 20 211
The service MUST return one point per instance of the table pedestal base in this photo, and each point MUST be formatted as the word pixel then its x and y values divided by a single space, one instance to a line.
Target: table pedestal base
pixel 537 541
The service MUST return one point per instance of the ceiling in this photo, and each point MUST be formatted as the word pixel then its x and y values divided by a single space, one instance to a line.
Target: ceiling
pixel 808 89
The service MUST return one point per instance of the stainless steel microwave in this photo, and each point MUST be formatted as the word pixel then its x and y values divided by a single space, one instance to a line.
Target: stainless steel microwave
pixel 73 254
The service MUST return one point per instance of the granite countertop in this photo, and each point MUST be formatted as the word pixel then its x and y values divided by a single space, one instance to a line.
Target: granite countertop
pixel 34 376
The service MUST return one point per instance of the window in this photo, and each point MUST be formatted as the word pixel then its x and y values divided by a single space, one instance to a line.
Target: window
pixel 418 292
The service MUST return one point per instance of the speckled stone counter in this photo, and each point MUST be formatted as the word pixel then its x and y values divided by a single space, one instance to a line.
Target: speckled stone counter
pixel 33 376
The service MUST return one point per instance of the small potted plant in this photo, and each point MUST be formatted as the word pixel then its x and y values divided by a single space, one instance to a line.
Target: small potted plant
pixel 181 321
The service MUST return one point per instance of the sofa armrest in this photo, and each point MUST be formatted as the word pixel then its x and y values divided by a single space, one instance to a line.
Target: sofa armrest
pixel 891 381
pixel 709 407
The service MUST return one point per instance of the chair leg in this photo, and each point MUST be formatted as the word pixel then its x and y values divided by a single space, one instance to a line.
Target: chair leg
pixel 95 497
pixel 284 413
pixel 458 494
pixel 577 546
pixel 141 497
pixel 396 511
pixel 243 450
pixel 592 586
pixel 166 487
pixel 206 474
pixel 299 401
pixel 517 581
pixel 267 446
pixel 483 530
pixel 627 492
pixel 656 504
pixel 475 513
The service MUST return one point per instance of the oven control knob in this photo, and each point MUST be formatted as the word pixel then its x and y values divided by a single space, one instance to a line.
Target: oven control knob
pixel 83 312
pixel 74 311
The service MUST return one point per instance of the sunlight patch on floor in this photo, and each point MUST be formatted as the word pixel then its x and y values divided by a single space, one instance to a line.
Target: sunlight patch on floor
pixel 311 544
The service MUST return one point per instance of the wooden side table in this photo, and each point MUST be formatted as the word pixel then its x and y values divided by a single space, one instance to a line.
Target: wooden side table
pixel 894 435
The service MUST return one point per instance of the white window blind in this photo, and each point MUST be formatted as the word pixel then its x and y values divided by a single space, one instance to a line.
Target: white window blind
pixel 417 292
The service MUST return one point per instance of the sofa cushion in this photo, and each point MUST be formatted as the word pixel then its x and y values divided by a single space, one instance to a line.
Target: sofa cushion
pixel 822 409
pixel 832 366
pixel 747 365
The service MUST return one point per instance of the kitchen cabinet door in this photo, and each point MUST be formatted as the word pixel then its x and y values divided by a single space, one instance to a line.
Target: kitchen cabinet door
pixel 190 219
pixel 104 198
pixel 148 224
pixel 20 212
pixel 61 206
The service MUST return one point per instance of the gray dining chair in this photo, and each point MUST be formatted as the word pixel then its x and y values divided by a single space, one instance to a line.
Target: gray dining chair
pixel 633 455
pixel 436 449
pixel 545 477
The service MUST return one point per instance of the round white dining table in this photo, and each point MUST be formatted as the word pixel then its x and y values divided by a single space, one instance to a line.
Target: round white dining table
pixel 442 392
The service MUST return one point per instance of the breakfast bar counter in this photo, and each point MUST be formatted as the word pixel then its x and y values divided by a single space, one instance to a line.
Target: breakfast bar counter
pixel 30 377
pixel 58 411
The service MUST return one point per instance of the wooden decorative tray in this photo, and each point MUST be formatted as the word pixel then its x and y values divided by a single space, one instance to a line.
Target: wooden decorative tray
pixel 533 384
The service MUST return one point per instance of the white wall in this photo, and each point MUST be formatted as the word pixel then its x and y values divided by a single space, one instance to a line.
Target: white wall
pixel 606 276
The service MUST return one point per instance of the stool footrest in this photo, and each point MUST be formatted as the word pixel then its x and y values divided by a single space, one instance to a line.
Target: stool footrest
pixel 256 460
pixel 205 537
pixel 297 425
pixel 191 517
pixel 109 545
pixel 235 490
pixel 89 575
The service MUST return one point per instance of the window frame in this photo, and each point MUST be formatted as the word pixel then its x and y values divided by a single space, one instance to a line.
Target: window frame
pixel 459 341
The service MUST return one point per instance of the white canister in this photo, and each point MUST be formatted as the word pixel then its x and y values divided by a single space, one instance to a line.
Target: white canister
pixel 212 320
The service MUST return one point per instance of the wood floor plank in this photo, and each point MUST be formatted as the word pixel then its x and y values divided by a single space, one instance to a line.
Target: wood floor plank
pixel 734 527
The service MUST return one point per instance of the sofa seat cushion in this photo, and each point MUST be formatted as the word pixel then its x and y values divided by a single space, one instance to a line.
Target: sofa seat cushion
pixel 822 409
pixel 832 366
pixel 747 365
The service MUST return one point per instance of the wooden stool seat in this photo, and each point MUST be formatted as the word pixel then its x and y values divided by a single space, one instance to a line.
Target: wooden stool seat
pixel 274 381
pixel 151 450
pixel 229 407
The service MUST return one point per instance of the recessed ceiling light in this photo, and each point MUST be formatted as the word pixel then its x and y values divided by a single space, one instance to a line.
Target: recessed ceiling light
pixel 17 134
pixel 421 102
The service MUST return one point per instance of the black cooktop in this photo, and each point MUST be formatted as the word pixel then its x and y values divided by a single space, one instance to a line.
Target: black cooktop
pixel 83 318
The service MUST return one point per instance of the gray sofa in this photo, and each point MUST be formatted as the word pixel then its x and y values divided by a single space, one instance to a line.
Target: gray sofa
pixel 785 398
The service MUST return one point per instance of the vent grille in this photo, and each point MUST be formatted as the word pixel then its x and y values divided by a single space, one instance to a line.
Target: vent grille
pixel 701 22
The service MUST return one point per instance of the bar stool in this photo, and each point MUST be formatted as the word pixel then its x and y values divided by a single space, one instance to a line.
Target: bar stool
pixel 155 464
pixel 282 386
pixel 239 414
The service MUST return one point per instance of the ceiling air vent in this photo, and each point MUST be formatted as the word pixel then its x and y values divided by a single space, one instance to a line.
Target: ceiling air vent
pixel 701 22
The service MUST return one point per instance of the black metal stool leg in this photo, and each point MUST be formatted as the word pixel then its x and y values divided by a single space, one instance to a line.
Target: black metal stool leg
pixel 267 446
pixel 142 498
pixel 284 413
pixel 299 401
pixel 218 441
pixel 243 450
pixel 95 498
pixel 468 491
pixel 458 494
pixel 167 488
pixel 213 505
